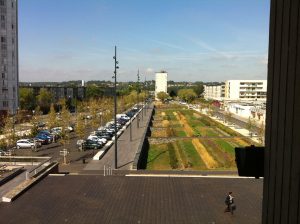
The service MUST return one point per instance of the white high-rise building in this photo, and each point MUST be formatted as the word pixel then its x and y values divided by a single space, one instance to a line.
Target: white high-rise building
pixel 246 90
pixel 161 82
pixel 214 92
pixel 9 77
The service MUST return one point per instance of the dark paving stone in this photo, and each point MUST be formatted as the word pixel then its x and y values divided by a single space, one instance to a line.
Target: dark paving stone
pixel 120 199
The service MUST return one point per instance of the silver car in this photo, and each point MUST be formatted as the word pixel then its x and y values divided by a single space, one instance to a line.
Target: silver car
pixel 28 143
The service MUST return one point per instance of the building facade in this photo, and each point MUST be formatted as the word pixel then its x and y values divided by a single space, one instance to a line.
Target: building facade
pixel 9 78
pixel 161 82
pixel 246 90
pixel 214 92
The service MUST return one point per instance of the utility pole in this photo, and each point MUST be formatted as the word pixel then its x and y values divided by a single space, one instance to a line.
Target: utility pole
pixel 138 90
pixel 115 102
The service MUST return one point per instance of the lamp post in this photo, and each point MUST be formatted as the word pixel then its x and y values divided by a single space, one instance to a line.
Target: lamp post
pixel 115 102
pixel 138 87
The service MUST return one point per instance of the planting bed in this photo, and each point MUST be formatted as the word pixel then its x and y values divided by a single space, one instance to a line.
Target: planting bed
pixel 200 142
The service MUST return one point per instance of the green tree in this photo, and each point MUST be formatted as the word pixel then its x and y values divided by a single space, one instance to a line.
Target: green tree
pixel 187 95
pixel 162 96
pixel 94 91
pixel 198 88
pixel 27 99
pixel 44 100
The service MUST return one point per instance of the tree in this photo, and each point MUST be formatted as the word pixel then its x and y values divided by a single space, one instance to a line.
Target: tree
pixel 44 100
pixel 65 123
pixel 250 125
pixel 27 99
pixel 80 127
pixel 52 121
pixel 9 130
pixel 94 91
pixel 261 133
pixel 198 88
pixel 187 95
pixel 162 96
pixel 227 116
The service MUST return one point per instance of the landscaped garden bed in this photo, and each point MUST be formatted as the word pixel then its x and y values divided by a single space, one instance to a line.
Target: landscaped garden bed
pixel 199 143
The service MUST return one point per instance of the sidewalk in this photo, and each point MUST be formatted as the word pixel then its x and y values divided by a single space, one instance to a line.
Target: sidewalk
pixel 234 127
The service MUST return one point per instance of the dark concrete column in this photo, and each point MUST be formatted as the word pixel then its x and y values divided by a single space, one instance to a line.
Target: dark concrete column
pixel 281 202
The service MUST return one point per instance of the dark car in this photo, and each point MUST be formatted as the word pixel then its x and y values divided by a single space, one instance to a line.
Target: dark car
pixel 47 133
pixel 90 144
pixel 103 135
pixel 130 113
pixel 121 121
pixel 44 139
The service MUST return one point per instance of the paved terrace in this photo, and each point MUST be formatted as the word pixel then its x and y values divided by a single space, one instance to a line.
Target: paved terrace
pixel 126 148
pixel 122 199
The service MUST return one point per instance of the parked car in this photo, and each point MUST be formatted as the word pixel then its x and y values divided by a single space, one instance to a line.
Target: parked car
pixel 44 139
pixel 90 144
pixel 97 138
pixel 27 143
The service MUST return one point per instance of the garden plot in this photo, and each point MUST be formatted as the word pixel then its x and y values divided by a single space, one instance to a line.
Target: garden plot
pixel 200 143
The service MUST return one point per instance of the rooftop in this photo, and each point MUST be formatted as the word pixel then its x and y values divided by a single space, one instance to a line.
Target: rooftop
pixel 121 199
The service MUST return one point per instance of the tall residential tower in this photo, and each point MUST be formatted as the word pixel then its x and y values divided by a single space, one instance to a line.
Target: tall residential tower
pixel 9 69
pixel 161 82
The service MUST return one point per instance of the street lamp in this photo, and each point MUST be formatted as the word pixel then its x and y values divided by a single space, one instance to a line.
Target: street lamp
pixel 138 88
pixel 115 102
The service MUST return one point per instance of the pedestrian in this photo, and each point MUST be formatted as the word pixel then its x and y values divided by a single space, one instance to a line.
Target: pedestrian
pixel 229 201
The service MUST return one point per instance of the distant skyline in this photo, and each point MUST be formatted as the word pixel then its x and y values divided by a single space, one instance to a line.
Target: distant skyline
pixel 193 40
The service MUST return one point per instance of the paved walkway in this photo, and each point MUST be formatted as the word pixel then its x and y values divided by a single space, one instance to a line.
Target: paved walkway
pixel 126 148
pixel 14 182
pixel 235 127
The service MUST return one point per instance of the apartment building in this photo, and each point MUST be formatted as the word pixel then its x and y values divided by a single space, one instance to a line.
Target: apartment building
pixel 214 92
pixel 9 77
pixel 246 90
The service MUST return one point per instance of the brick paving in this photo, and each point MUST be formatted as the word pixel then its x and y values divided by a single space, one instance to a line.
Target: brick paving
pixel 126 148
pixel 119 199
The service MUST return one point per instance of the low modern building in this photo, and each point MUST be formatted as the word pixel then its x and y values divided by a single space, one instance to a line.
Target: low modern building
pixel 257 112
pixel 246 90
pixel 214 92
pixel 60 92
pixel 161 82
pixel 9 77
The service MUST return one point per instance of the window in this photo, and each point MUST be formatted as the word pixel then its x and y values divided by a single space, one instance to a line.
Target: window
pixel 3 75
pixel 2 18
pixel 2 2
pixel 12 26
pixel 5 103
pixel 3 40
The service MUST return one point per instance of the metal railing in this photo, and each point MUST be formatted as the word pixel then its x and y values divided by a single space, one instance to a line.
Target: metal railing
pixel 107 170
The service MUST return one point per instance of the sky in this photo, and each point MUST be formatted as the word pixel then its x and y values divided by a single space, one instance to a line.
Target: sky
pixel 193 40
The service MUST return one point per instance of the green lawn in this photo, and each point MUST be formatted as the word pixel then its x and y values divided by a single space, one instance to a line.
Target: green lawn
pixel 192 158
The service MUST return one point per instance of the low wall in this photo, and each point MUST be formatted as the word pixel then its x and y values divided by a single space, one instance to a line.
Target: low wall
pixel 141 154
